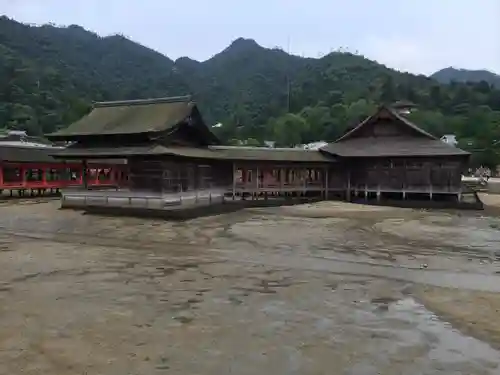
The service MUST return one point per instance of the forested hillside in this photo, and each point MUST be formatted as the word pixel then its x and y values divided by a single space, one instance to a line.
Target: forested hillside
pixel 448 75
pixel 49 76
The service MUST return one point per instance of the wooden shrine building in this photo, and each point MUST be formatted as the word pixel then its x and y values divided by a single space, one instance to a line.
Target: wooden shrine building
pixel 174 160
pixel 387 156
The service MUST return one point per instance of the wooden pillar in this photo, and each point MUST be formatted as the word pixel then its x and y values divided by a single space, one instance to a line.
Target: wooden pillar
pixel 1 175
pixel 429 175
pixel 85 174
pixel 305 176
pixel 234 180
pixel 348 192
pixel 111 174
pixel 405 179
pixel 326 183
pixel 280 179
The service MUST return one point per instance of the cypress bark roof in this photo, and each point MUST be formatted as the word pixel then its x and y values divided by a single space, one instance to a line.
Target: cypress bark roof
pixel 20 154
pixel 415 142
pixel 210 152
pixel 270 154
pixel 393 115
pixel 393 147
pixel 25 154
pixel 133 117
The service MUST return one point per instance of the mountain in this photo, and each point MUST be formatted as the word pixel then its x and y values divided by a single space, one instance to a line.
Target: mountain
pixel 50 75
pixel 448 75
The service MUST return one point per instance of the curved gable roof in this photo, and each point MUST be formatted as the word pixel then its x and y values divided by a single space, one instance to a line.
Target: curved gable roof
pixel 423 144
pixel 136 117
pixel 385 111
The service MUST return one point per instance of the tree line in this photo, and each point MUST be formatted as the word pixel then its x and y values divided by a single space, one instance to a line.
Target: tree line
pixel 49 77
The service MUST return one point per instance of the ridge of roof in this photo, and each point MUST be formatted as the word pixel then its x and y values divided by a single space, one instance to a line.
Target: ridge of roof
pixel 119 103
pixel 260 148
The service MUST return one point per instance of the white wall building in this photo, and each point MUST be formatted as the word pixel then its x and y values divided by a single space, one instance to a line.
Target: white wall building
pixel 313 145
pixel 450 139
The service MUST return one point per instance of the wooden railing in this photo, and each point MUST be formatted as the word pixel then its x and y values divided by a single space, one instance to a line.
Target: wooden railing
pixel 299 186
pixel 139 199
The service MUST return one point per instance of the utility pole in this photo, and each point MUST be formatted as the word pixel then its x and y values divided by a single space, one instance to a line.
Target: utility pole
pixel 288 77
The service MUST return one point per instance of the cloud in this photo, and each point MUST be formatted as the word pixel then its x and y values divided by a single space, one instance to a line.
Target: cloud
pixel 415 35
pixel 429 36
pixel 405 55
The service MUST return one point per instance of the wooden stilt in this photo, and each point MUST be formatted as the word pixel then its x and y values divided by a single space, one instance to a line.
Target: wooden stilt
pixel 234 180
pixel 84 174
pixel 326 183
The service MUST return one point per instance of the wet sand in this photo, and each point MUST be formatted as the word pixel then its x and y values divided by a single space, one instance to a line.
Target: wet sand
pixel 328 288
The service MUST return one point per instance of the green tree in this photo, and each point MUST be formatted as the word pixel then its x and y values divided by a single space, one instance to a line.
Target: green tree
pixel 288 130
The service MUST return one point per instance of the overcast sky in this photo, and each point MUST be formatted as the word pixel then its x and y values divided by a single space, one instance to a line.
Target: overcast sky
pixel 420 36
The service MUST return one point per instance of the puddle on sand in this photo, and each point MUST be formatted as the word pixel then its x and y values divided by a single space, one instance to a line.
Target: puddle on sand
pixel 447 349
pixel 451 345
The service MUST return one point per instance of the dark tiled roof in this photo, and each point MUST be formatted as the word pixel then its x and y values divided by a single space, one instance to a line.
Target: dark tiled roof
pixel 391 146
pixel 210 152
pixel 22 154
pixel 130 117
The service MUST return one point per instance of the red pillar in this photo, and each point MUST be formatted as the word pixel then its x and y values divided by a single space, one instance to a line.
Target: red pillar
pixel 23 176
pixel 97 181
pixel 80 178
pixel 44 177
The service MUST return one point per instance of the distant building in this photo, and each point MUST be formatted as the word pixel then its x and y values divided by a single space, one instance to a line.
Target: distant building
pixel 314 145
pixel 21 138
pixel 403 107
pixel 450 139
